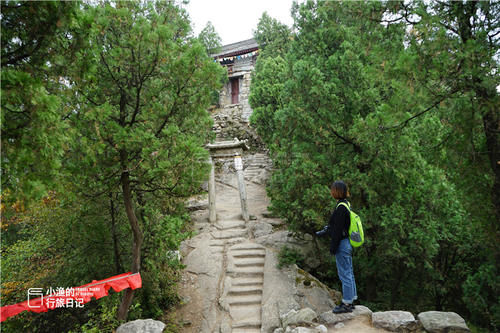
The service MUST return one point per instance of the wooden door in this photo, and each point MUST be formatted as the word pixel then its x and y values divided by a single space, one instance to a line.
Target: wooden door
pixel 235 90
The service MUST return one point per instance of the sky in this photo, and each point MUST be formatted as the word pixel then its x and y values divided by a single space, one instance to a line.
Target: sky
pixel 236 20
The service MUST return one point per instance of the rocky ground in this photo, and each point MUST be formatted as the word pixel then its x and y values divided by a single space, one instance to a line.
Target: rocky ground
pixel 232 284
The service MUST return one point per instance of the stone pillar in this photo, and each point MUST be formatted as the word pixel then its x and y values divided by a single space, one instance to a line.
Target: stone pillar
pixel 238 165
pixel 211 193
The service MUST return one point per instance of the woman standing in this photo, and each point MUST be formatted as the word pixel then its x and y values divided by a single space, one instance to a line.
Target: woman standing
pixel 337 229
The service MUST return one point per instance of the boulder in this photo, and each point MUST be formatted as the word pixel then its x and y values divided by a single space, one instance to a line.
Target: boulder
pixel 275 222
pixel 322 328
pixel 141 326
pixel 331 318
pixel 197 204
pixel 304 330
pixel 295 317
pixel 395 321
pixel 278 296
pixel 442 322
pixel 259 229
pixel 313 294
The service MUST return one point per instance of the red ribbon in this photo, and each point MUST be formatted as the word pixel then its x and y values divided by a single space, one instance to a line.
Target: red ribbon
pixel 79 295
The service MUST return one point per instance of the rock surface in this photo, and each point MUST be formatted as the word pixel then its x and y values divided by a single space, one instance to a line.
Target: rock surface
pixel 231 283
pixel 295 317
pixel 442 322
pixel 394 321
pixel 141 326
pixel 331 318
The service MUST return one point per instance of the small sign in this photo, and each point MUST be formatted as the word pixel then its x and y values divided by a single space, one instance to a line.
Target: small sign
pixel 238 163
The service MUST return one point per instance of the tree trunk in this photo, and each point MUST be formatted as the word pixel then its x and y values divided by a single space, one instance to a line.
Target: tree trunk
pixel 118 266
pixel 136 249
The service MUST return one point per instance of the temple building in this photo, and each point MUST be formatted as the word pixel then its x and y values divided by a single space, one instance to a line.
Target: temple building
pixel 231 116
pixel 239 59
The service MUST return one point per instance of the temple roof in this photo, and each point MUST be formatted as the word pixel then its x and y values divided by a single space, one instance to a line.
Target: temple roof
pixel 238 48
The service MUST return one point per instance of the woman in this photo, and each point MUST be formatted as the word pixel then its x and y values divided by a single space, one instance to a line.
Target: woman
pixel 337 229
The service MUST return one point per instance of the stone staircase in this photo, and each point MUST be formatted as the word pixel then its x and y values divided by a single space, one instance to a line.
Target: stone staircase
pixel 245 270
pixel 255 165
pixel 243 278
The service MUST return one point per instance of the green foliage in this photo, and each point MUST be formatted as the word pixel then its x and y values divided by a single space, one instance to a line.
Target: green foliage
pixel 381 106
pixel 272 36
pixel 289 256
pixel 210 39
pixel 103 319
pixel 35 41
pixel 117 90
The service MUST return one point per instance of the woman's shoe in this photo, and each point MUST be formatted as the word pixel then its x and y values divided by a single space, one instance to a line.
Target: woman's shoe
pixel 343 308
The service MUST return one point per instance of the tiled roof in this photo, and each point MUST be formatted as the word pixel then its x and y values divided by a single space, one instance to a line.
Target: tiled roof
pixel 238 48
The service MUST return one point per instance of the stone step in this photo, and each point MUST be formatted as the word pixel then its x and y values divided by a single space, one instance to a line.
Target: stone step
pixel 253 171
pixel 247 325
pixel 237 275
pixel 228 234
pixel 240 300
pixel 243 290
pixel 236 240
pixel 245 313
pixel 250 269
pixel 246 330
pixel 247 246
pixel 249 281
pixel 217 242
pixel 224 225
pixel 255 166
pixel 245 262
pixel 249 255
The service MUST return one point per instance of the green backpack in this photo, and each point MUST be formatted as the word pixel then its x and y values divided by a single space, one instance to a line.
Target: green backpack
pixel 356 235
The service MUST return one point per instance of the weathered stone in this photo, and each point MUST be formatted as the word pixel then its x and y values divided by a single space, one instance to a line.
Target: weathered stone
pixel 322 328
pixel 314 294
pixel 331 318
pixel 294 317
pixel 225 328
pixel 395 321
pixel 339 326
pixel 278 296
pixel 260 229
pixel 279 330
pixel 141 326
pixel 283 238
pixel 262 177
pixel 199 261
pixel 197 204
pixel 442 322
pixel 273 221
pixel 304 330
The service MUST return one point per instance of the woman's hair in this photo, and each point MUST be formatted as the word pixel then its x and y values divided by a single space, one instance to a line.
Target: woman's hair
pixel 339 190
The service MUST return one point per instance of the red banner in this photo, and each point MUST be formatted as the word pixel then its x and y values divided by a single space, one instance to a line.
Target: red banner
pixel 72 297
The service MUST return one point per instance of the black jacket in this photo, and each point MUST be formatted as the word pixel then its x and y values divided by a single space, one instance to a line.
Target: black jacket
pixel 338 226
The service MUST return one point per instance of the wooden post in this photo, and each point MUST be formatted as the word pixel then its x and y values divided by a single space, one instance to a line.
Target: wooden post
pixel 211 193
pixel 238 165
